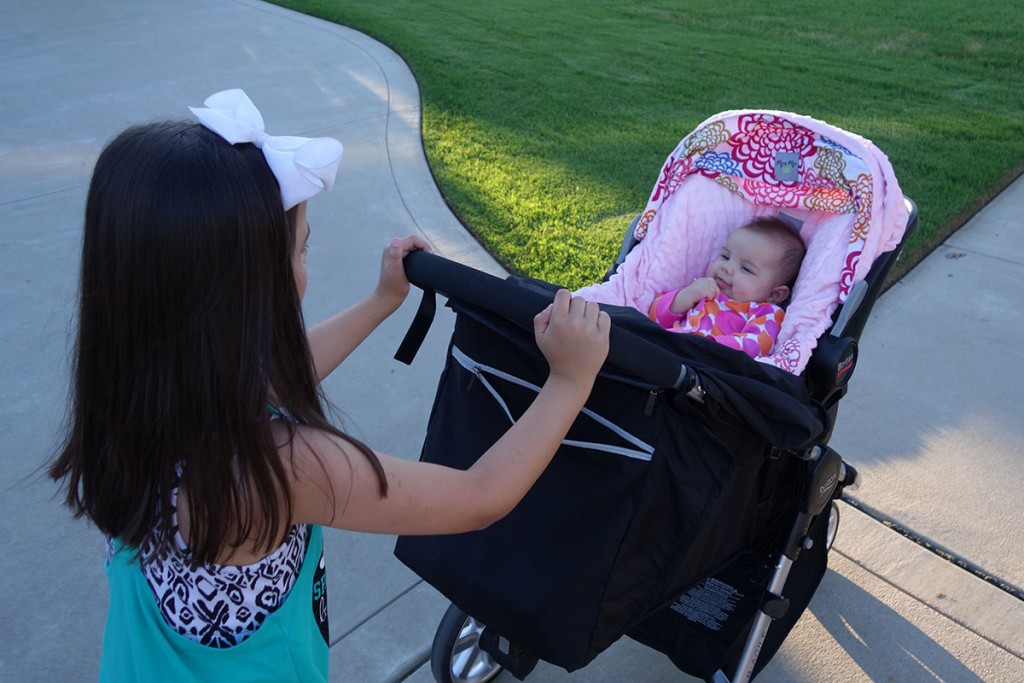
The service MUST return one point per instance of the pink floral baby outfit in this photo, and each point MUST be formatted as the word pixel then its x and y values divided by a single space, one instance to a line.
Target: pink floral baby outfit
pixel 746 326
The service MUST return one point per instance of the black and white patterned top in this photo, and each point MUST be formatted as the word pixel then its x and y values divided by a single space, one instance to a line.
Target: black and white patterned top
pixel 220 605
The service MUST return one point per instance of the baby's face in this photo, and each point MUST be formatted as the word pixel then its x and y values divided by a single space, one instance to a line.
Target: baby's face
pixel 749 267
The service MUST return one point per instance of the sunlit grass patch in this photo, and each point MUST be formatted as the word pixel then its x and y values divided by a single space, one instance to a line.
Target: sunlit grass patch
pixel 546 124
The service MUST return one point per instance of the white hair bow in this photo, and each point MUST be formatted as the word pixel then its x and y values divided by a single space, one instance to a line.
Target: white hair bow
pixel 303 166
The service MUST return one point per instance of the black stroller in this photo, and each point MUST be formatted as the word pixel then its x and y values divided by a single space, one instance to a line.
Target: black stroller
pixel 691 506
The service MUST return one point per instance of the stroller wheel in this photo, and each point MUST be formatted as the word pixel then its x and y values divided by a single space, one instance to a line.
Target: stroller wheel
pixel 833 526
pixel 456 656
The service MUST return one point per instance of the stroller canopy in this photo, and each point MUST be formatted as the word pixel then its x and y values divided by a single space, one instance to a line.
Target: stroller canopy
pixel 837 187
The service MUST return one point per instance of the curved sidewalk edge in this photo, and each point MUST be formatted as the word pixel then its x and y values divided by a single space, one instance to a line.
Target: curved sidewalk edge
pixel 406 157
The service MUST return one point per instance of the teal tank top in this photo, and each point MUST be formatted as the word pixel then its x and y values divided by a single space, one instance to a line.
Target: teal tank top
pixel 139 645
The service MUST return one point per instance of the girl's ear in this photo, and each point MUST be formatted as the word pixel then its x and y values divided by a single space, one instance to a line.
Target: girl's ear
pixel 779 294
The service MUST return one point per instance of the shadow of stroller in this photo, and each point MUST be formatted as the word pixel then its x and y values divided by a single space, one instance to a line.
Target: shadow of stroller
pixel 883 643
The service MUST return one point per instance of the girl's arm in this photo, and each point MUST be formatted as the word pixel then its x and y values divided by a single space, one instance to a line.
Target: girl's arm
pixel 334 485
pixel 332 340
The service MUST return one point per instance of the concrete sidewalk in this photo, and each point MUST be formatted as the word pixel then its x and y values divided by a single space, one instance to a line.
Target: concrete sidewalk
pixel 933 419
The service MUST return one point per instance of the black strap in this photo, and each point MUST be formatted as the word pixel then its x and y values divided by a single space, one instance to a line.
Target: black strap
pixel 418 328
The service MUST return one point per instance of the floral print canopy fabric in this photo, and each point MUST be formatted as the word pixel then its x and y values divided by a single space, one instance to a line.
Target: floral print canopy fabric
pixel 837 187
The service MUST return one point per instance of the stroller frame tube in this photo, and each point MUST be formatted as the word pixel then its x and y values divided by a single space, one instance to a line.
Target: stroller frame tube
pixel 758 632
pixel 825 475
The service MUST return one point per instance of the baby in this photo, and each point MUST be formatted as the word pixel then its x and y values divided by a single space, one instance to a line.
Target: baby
pixel 738 304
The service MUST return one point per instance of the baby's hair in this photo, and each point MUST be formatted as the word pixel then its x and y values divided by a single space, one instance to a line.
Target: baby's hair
pixel 189 326
pixel 792 244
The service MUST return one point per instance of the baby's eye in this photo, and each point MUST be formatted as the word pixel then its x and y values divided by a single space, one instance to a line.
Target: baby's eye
pixel 747 270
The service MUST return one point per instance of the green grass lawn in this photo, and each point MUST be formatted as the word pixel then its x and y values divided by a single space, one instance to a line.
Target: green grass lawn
pixel 546 123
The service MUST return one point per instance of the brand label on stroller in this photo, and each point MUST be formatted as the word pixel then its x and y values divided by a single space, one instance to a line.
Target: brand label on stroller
pixel 709 603
pixel 787 167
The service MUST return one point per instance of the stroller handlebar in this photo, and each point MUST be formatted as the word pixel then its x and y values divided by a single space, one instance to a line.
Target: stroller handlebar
pixel 627 351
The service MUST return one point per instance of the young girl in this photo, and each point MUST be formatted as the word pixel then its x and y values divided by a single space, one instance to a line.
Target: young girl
pixel 197 440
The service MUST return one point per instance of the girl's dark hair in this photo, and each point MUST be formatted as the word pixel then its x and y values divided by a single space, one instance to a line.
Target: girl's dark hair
pixel 189 326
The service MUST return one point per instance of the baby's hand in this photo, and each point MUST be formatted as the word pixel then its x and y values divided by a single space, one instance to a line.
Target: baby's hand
pixel 691 295
pixel 704 288
pixel 573 335
pixel 393 285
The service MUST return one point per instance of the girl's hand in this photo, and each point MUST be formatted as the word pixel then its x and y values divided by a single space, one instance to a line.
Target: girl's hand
pixel 573 335
pixel 393 286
